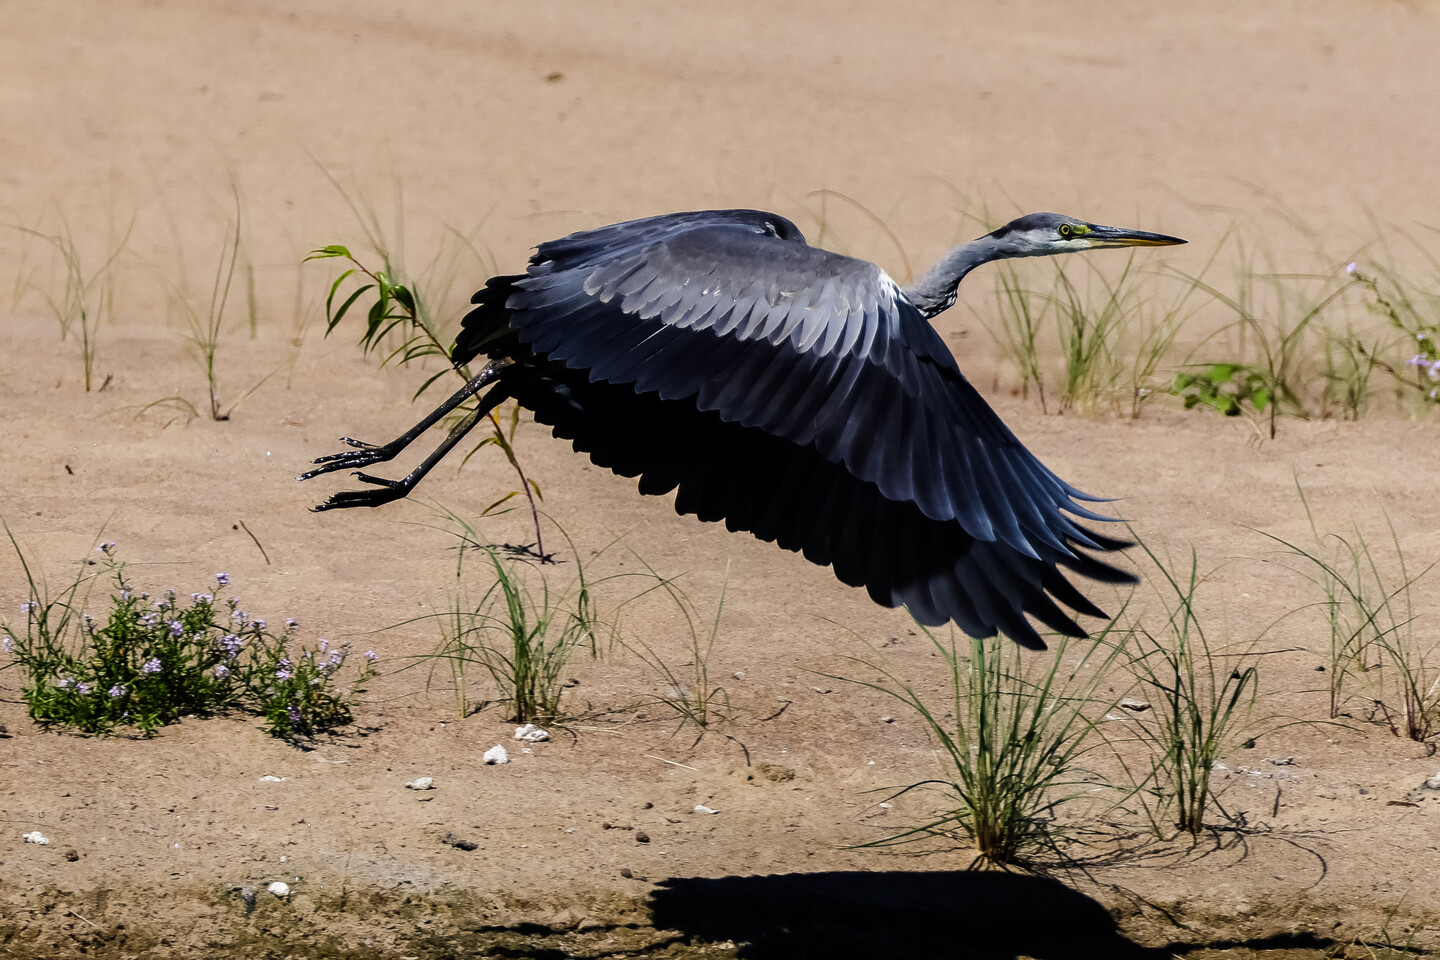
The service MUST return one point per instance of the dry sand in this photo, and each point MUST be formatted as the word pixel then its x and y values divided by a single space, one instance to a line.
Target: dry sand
pixel 512 123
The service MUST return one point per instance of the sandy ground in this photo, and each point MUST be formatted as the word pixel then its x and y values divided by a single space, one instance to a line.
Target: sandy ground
pixel 512 123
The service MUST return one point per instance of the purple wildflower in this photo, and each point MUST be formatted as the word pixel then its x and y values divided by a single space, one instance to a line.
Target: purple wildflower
pixel 117 691
pixel 202 597
pixel 221 671
pixel 28 605
pixel 82 688
pixel 371 655
pixel 293 712
pixel 231 644
pixel 149 620
pixel 107 548
pixel 151 666
pixel 64 683
pixel 284 673
pixel 223 579
pixel 258 624
pixel 177 629
pixel 7 644
pixel 292 624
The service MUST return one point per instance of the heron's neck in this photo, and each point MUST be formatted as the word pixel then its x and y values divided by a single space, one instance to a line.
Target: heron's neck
pixel 936 291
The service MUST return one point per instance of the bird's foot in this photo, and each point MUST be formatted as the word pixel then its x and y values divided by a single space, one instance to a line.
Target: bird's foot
pixel 363 456
pixel 389 490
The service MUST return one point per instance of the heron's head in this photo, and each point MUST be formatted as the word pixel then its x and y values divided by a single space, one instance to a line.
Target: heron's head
pixel 1043 234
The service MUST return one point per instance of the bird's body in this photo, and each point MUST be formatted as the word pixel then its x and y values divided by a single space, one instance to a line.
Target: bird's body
pixel 794 393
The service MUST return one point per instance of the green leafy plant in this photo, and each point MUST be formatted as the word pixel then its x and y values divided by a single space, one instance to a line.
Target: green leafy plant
pixel 152 661
pixel 1224 387
pixel 1013 731
pixel 1277 312
pixel 399 314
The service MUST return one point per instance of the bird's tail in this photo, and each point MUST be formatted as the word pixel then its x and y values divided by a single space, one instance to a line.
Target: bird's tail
pixel 487 326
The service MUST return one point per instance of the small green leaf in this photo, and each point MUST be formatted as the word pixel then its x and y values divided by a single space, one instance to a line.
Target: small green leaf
pixel 333 250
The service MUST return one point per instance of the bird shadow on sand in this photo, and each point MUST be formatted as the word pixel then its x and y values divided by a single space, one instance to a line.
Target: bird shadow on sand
pixel 920 915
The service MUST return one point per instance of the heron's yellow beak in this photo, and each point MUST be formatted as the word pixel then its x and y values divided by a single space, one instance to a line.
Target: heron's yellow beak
pixel 1101 237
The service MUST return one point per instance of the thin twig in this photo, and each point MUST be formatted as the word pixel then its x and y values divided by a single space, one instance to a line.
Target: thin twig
pixel 651 756
pixel 257 542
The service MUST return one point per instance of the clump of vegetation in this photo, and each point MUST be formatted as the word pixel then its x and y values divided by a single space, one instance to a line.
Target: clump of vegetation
pixel 153 660
pixel 1200 708
pixel 522 636
pixel 1013 733
pixel 1378 654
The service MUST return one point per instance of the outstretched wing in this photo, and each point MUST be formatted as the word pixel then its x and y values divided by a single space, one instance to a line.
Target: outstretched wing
pixel 731 316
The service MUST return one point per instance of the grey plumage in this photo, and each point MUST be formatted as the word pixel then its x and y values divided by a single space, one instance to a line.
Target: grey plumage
pixel 796 394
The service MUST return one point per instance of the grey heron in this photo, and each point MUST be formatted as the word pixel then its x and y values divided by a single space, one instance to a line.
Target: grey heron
pixel 795 393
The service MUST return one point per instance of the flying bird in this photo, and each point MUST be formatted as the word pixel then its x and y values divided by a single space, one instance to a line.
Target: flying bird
pixel 795 393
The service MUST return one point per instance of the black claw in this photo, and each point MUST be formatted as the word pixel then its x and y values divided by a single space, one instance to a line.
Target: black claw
pixel 389 490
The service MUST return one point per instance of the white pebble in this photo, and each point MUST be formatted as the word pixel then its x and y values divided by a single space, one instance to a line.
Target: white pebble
pixel 1131 703
pixel 35 836
pixel 496 754
pixel 423 783
pixel 701 808
pixel 531 734
pixel 269 779
pixel 279 888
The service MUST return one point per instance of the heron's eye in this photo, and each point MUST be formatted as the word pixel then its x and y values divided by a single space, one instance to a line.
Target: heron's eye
pixel 1065 230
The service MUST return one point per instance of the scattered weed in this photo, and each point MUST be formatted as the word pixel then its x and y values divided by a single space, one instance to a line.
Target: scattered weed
pixel 86 300
pixel 692 694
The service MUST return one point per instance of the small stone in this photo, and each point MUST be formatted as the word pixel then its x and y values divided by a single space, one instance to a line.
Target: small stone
pixel 421 783
pixel 531 734
pixel 35 836
pixel 641 836
pixel 887 719
pixel 269 779
pixel 647 805
pixel 701 808
pixel 72 854
pixel 1139 706
pixel 496 754
pixel 627 873
pixel 1432 784
pixel 1281 761
pixel 279 889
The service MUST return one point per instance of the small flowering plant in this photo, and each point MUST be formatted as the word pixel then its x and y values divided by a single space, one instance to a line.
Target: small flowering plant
pixel 1387 297
pixel 154 660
